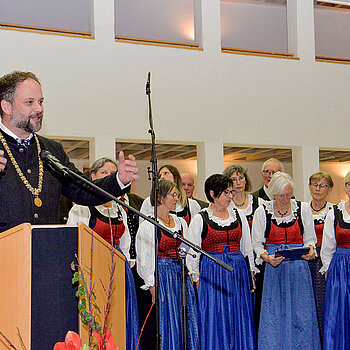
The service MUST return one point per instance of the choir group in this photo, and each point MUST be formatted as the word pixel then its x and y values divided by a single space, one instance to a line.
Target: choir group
pixel 278 296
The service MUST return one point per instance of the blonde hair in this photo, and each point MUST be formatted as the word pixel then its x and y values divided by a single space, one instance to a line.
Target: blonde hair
pixel 347 178
pixel 322 175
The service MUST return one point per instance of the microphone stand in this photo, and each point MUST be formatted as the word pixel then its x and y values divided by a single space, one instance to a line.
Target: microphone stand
pixel 55 164
pixel 184 305
pixel 155 186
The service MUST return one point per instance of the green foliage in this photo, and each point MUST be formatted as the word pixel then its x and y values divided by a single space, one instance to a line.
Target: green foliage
pixel 98 327
pixel 97 308
pixel 82 304
pixel 76 278
pixel 86 317
pixel 80 292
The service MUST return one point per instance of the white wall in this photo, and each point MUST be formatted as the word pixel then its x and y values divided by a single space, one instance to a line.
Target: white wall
pixel 96 88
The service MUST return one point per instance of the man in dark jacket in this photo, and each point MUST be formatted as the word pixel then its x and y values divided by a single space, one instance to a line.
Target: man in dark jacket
pixel 270 167
pixel 29 190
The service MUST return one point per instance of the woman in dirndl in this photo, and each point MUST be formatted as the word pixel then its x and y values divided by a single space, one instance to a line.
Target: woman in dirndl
pixel 335 256
pixel 320 186
pixel 288 314
pixel 107 220
pixel 224 298
pixel 169 267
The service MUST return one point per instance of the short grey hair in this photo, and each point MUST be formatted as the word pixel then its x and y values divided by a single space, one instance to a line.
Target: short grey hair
pixel 278 183
pixel 272 160
pixel 99 163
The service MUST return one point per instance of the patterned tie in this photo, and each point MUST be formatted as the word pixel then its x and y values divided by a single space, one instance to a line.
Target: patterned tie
pixel 22 142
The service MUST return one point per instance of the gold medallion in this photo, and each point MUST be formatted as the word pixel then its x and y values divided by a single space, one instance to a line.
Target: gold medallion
pixel 38 202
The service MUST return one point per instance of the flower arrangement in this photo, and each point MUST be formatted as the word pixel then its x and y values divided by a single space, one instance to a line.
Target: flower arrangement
pixel 73 342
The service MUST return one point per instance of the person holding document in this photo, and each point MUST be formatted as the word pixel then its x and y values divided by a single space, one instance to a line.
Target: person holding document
pixel 288 315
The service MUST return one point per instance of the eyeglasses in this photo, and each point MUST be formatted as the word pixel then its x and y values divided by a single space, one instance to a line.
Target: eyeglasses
pixel 321 186
pixel 229 193
pixel 174 195
pixel 269 172
pixel 236 179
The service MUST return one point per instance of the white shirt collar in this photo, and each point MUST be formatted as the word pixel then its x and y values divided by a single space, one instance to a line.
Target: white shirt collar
pixel 10 133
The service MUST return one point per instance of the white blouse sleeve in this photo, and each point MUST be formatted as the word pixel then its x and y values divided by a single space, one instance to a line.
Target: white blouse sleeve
pixel 258 233
pixel 79 213
pixel 309 237
pixel 195 236
pixel 146 209
pixel 145 253
pixel 329 243
pixel 194 207
pixel 125 239
pixel 246 243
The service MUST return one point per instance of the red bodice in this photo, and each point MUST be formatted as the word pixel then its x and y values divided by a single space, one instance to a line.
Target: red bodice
pixel 290 234
pixel 103 229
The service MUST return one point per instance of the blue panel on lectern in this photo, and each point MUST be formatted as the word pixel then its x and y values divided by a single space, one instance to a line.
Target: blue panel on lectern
pixel 54 304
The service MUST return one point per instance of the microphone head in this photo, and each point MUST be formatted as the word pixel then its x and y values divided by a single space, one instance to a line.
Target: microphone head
pixel 44 154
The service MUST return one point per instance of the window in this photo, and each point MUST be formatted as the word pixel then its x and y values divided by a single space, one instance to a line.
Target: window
pixel 258 26
pixel 332 30
pixel 52 16
pixel 156 21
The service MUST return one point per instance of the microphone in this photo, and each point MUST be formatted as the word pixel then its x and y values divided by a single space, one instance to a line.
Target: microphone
pixel 183 249
pixel 53 162
pixel 148 84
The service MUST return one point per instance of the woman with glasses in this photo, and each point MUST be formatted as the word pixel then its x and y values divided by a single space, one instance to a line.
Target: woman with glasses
pixel 186 208
pixel 335 256
pixel 169 269
pixel 247 204
pixel 288 315
pixel 242 200
pixel 320 186
pixel 109 221
pixel 224 298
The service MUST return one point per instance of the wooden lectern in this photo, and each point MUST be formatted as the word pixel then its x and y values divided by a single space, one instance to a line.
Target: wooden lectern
pixel 36 292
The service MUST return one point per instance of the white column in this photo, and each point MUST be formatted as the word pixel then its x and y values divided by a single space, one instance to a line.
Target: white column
pixel 211 30
pixel 301 29
pixel 305 163
pixel 210 160
pixel 103 19
pixel 102 147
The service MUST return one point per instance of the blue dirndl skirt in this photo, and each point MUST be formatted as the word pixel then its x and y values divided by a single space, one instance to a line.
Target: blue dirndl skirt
pixel 131 310
pixel 225 305
pixel 170 321
pixel 336 332
pixel 288 314
pixel 319 285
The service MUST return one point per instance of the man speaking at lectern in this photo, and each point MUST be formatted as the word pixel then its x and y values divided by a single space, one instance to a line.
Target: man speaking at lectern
pixel 29 190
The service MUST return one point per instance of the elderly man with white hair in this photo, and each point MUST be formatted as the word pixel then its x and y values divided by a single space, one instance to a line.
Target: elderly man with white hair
pixel 288 315
pixel 269 167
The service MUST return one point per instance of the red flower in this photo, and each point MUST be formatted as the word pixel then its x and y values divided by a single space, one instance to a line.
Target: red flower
pixel 109 344
pixel 71 342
